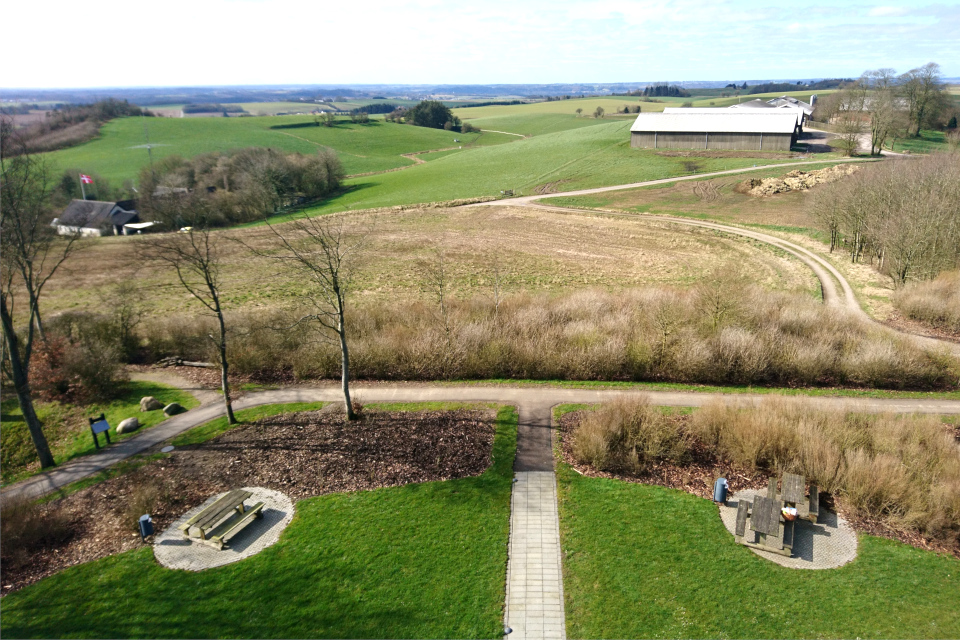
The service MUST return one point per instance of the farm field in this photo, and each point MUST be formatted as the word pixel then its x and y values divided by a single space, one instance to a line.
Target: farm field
pixel 536 252
pixel 425 560
pixel 119 153
pixel 643 561
pixel 592 156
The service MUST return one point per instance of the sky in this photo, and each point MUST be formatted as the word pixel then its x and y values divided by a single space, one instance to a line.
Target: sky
pixel 107 43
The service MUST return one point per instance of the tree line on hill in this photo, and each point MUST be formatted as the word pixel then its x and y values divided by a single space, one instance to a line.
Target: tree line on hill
pixel 432 114
pixel 213 107
pixel 661 91
pixel 887 106
pixel 65 127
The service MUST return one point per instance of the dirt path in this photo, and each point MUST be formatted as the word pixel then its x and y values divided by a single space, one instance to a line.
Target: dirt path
pixel 534 404
pixel 828 275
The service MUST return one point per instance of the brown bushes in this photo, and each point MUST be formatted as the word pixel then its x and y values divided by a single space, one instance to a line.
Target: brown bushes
pixel 903 469
pixel 936 302
pixel 26 526
pixel 643 334
pixel 626 435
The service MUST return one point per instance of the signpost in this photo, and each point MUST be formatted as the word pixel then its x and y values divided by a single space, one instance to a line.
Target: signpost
pixel 99 425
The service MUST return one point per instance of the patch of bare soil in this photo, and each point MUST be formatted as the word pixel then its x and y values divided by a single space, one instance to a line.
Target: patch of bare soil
pixel 549 187
pixel 908 325
pixel 303 455
pixel 704 467
pixel 795 180
pixel 725 154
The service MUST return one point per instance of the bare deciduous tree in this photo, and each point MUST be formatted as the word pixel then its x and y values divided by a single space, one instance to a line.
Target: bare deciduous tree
pixel 320 250
pixel 30 253
pixel 884 114
pixel 924 92
pixel 195 257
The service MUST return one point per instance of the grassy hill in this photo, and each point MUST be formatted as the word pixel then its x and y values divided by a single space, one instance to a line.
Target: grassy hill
pixel 119 153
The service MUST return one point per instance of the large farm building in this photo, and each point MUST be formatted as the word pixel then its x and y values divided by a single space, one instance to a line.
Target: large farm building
pixel 742 130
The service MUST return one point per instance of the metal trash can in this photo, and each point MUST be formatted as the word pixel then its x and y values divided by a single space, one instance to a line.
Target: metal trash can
pixel 720 488
pixel 146 526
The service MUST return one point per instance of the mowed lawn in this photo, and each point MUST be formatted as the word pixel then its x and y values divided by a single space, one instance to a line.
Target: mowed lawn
pixel 119 152
pixel 643 561
pixel 419 561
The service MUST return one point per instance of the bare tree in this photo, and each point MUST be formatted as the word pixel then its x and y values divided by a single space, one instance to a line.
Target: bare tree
pixel 924 92
pixel 884 114
pixel 30 253
pixel 195 257
pixel 579 111
pixel 598 113
pixel 433 272
pixel 321 252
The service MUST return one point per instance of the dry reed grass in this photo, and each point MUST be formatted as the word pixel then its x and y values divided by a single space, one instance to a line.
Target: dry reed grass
pixel 639 334
pixel 902 469
pixel 934 302
pixel 26 526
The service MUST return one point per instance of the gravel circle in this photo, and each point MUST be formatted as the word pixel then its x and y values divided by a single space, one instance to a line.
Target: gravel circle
pixel 828 544
pixel 175 551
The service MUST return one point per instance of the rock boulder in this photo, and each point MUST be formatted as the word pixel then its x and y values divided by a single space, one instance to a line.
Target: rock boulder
pixel 173 409
pixel 128 426
pixel 149 403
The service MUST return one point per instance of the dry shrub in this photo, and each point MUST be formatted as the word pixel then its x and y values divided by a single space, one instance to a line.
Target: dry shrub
pixel 146 497
pixel 26 526
pixel 755 337
pixel 935 302
pixel 903 469
pixel 626 435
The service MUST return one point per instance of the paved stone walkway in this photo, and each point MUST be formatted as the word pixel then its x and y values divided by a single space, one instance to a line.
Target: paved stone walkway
pixel 828 544
pixel 534 573
pixel 174 551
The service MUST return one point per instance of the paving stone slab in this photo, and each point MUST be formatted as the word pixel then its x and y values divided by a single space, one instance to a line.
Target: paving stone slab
pixel 175 551
pixel 828 544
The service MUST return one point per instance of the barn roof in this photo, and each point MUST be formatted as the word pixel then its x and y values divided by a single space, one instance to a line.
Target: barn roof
pixel 716 121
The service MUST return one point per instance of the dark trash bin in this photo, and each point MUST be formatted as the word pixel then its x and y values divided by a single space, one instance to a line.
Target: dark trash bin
pixel 720 488
pixel 146 526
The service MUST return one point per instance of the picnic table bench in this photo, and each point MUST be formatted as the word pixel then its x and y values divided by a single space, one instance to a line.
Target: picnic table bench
pixel 223 519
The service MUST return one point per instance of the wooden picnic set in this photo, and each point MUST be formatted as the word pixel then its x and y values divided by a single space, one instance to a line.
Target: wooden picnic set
pixel 772 517
pixel 222 520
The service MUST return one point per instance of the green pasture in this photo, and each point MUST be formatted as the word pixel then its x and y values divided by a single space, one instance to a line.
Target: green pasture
pixel 535 124
pixel 424 560
pixel 643 561
pixel 928 142
pixel 593 156
pixel 119 152
pixel 67 430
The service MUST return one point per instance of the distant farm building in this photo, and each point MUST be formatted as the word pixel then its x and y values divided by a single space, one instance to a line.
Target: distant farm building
pixel 96 218
pixel 740 130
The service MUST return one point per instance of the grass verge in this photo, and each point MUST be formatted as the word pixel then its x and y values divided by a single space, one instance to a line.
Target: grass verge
pixel 643 561
pixel 423 560
pixel 67 429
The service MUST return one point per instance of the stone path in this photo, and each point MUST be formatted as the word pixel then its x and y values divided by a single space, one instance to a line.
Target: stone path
pixel 174 551
pixel 534 573
pixel 828 544
pixel 534 607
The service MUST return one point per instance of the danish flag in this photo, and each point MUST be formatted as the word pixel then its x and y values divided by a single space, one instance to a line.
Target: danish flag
pixel 86 179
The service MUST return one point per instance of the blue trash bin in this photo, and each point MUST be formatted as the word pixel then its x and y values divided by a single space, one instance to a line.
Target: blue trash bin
pixel 146 526
pixel 720 490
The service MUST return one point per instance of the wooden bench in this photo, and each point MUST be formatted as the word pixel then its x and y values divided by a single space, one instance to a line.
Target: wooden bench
pixel 772 488
pixel 222 520
pixel 743 509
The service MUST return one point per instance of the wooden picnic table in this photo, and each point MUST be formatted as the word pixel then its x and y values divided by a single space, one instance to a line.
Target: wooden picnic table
pixel 766 516
pixel 223 519
pixel 793 492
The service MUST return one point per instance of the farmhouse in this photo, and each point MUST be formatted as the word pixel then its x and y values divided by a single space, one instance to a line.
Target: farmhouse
pixel 745 130
pixel 96 218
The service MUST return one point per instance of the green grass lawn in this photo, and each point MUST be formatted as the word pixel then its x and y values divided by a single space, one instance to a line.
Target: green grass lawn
pixel 419 561
pixel 643 561
pixel 928 142
pixel 118 153
pixel 67 430
pixel 593 156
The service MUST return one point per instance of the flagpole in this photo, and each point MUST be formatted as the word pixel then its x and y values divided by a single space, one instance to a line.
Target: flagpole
pixel 82 190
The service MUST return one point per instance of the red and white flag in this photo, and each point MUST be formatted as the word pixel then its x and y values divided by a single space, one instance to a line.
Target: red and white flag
pixel 86 179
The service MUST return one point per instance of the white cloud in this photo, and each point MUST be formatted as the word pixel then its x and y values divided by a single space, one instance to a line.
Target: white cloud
pixel 888 12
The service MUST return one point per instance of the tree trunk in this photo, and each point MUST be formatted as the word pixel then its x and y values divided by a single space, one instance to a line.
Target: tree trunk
pixel 345 369
pixel 22 385
pixel 224 383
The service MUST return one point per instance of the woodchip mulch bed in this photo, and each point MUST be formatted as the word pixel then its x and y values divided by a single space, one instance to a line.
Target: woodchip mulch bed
pixel 704 467
pixel 303 455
